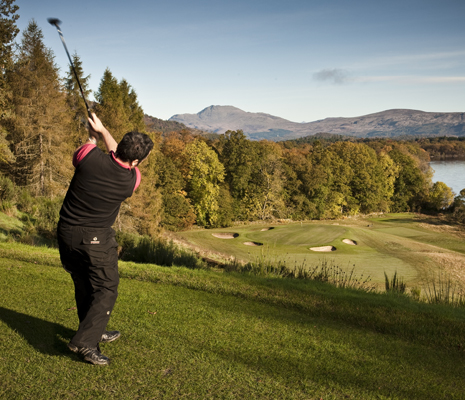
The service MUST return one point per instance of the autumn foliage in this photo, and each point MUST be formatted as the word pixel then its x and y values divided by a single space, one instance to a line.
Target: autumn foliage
pixel 191 178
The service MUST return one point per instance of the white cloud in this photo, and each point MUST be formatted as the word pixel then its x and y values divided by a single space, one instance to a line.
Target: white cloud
pixel 424 60
pixel 406 79
pixel 336 76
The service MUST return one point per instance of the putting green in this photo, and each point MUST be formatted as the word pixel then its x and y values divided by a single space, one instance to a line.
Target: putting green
pixel 398 243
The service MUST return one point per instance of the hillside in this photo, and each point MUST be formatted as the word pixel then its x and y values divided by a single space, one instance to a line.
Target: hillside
pixel 200 334
pixel 159 125
pixel 390 123
pixel 164 127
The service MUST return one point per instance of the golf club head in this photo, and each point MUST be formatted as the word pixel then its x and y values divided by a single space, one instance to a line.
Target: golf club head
pixel 54 21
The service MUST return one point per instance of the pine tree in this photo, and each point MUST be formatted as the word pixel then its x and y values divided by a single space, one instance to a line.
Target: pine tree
pixel 118 107
pixel 8 32
pixel 75 101
pixel 38 130
pixel 110 107
pixel 133 110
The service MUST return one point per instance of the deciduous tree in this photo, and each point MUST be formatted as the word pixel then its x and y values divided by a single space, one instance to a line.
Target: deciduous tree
pixel 440 196
pixel 205 174
pixel 178 213
pixel 411 185
pixel 264 196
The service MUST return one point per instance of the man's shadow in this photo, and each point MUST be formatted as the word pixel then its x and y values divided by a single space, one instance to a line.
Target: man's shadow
pixel 47 337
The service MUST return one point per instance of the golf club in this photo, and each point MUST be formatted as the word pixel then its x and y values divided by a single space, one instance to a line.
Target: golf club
pixel 56 22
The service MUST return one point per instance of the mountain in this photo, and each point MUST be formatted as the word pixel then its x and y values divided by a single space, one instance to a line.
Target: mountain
pixel 153 124
pixel 390 123
pixel 159 125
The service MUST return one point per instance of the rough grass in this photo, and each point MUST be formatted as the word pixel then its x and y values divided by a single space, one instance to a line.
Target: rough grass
pixel 199 334
pixel 9 225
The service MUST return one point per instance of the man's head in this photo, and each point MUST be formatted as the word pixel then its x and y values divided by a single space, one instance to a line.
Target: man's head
pixel 134 146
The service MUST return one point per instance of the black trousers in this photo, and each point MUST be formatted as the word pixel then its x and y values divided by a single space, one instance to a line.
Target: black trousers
pixel 90 255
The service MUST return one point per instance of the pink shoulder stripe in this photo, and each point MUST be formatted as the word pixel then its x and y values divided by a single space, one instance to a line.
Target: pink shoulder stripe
pixel 138 175
pixel 138 178
pixel 81 152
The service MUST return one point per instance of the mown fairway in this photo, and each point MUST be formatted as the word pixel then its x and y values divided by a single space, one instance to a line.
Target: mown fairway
pixel 413 246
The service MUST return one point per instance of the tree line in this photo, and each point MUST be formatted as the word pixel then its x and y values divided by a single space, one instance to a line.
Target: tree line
pixel 208 180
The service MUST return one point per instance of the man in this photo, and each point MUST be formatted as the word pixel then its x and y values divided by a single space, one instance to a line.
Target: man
pixel 88 249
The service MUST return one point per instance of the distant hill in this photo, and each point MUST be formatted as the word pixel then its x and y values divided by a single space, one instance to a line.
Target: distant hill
pixel 159 125
pixel 154 124
pixel 390 123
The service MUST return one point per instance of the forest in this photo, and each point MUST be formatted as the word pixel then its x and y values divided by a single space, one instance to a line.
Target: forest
pixel 190 178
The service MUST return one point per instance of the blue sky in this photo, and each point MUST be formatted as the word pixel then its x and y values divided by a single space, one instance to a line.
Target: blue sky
pixel 302 60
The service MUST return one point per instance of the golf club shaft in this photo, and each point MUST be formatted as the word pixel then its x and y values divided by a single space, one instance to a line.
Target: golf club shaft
pixel 74 69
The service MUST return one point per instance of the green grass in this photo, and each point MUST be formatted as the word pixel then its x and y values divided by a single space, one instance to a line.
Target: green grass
pixel 404 243
pixel 200 334
pixel 9 225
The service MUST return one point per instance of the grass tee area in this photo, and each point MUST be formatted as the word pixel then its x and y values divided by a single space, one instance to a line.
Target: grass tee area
pixel 201 334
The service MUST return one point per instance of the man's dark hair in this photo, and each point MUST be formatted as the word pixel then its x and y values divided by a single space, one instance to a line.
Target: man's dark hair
pixel 134 146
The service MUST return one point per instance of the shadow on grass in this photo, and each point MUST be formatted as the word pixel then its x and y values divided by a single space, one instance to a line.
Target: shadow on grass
pixel 47 337
pixel 396 220
pixel 13 231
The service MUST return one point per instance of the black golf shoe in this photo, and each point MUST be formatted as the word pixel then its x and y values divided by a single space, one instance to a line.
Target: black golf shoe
pixel 92 356
pixel 109 336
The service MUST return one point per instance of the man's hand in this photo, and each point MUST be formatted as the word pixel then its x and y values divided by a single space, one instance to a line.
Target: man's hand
pixel 96 129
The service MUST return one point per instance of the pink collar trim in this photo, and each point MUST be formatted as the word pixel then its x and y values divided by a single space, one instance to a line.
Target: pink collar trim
pixel 112 153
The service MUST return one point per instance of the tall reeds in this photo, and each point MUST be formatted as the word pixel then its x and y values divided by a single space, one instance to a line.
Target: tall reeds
pixel 325 271
pixel 396 284
pixel 144 249
pixel 443 289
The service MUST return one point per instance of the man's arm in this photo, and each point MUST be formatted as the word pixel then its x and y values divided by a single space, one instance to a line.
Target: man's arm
pixel 96 129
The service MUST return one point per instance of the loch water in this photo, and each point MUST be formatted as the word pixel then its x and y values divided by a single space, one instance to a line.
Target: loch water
pixel 452 173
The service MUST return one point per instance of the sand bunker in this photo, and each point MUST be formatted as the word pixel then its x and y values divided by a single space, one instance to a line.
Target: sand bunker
pixel 225 235
pixel 267 229
pixel 323 248
pixel 253 244
pixel 350 241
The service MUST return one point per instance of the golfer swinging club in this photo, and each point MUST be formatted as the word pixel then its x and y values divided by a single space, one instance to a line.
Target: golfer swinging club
pixel 88 249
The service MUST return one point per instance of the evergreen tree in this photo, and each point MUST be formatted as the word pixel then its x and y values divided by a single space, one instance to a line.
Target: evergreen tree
pixel 75 101
pixel 110 107
pixel 8 32
pixel 133 110
pixel 118 107
pixel 38 129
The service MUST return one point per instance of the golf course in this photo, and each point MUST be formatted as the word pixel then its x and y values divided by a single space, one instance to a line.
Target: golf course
pixel 415 246
pixel 211 334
